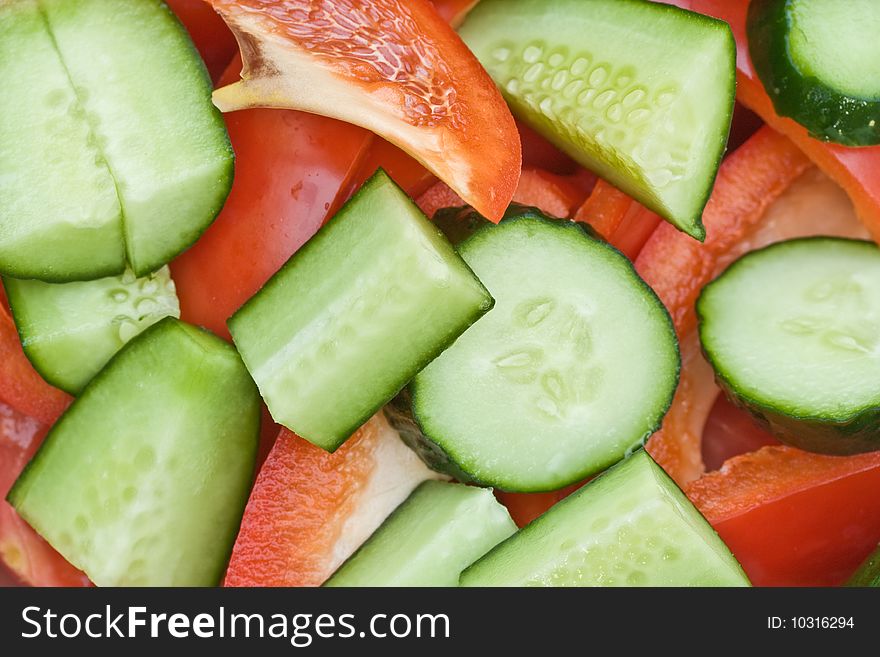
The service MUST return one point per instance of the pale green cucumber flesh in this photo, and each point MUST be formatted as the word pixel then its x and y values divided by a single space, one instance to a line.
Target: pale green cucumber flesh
pixel 59 213
pixel 429 539
pixel 574 366
pixel 115 152
pixel 631 526
pixel 144 479
pixel 370 300
pixel 639 92
pixel 792 333
pixel 70 330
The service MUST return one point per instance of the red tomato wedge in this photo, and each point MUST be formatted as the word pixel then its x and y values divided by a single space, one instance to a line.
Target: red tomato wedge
pixel 292 171
pixel 209 33
pixel 854 169
pixel 22 550
pixel 793 518
pixel 309 510
pixel 20 385
pixel 762 194
pixel 392 66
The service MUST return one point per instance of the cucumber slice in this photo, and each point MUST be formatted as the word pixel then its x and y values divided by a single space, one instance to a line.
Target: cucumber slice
pixel 574 367
pixel 144 479
pixel 60 217
pixel 370 300
pixel 113 149
pixel 791 331
pixel 70 330
pixel 819 61
pixel 868 574
pixel 429 539
pixel 641 93
pixel 632 526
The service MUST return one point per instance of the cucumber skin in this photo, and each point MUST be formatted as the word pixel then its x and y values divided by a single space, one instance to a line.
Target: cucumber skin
pixel 868 574
pixel 19 488
pixel 400 411
pixel 827 115
pixel 854 434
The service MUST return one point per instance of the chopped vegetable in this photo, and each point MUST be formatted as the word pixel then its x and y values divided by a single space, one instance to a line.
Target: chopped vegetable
pixel 144 479
pixel 453 121
pixel 631 526
pixel 376 295
pixel 793 518
pixel 638 92
pixel 436 533
pixel 98 176
pixel 573 368
pixel 818 61
pixel 70 330
pixel 790 332
pixel 868 574
pixel 310 510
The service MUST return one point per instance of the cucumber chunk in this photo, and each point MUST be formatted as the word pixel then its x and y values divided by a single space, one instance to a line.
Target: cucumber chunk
pixel 639 92
pixel 143 481
pixel 70 330
pixel 819 61
pixel 370 300
pixel 575 366
pixel 631 526
pixel 60 217
pixel 429 539
pixel 792 333
pixel 115 154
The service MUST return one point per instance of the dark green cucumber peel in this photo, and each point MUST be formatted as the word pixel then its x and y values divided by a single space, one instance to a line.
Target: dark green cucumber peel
pixel 640 92
pixel 630 526
pixel 144 479
pixel 868 574
pixel 438 448
pixel 804 51
pixel 399 295
pixel 70 330
pixel 841 427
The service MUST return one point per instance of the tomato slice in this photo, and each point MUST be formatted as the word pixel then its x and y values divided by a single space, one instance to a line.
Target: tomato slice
pixel 25 553
pixel 291 173
pixel 209 33
pixel 309 509
pixel 793 518
pixel 367 62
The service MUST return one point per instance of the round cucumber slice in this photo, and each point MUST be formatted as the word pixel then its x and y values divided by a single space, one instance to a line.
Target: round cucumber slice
pixel 574 366
pixel 819 61
pixel 792 332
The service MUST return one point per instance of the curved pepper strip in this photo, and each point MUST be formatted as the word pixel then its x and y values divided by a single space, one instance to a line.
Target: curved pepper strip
pixel 623 221
pixel 793 518
pixel 22 550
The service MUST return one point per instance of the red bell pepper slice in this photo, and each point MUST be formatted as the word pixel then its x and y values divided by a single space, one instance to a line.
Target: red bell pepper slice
pixel 22 550
pixel 291 173
pixel 309 509
pixel 623 221
pixel 211 36
pixel 793 518
pixel 20 385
